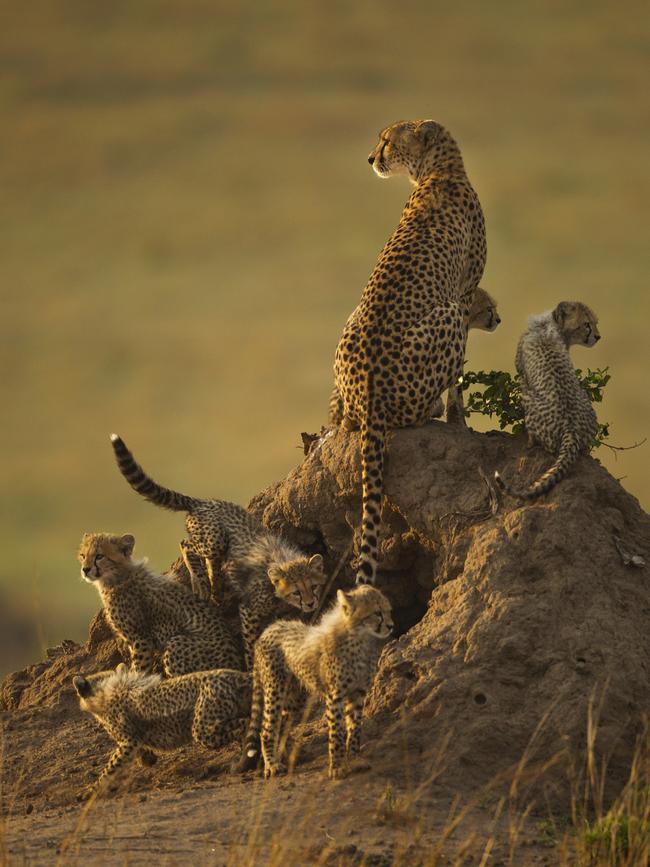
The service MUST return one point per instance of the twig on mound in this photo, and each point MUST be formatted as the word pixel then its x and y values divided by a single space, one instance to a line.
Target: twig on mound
pixel 333 577
pixel 624 448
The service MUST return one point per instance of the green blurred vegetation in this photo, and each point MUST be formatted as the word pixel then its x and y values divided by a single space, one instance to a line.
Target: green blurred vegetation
pixel 187 219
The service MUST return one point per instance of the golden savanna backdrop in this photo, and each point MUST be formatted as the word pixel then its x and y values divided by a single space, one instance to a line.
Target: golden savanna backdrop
pixel 188 218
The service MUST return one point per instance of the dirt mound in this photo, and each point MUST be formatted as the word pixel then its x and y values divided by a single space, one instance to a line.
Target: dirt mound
pixel 514 620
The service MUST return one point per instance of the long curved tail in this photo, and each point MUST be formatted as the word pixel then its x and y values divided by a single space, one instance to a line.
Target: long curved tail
pixel 567 455
pixel 373 446
pixel 144 485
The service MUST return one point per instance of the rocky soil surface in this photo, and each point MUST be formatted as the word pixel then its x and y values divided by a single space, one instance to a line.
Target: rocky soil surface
pixel 522 660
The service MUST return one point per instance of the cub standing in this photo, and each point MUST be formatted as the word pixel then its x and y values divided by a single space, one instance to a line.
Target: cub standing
pixel 335 659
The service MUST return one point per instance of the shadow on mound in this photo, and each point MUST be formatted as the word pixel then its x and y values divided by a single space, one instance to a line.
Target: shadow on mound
pixel 518 623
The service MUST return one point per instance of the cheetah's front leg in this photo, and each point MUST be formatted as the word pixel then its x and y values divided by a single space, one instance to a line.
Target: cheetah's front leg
pixel 120 757
pixel 194 565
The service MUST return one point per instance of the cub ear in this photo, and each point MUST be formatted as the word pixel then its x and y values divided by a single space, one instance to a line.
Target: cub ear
pixel 275 574
pixel 562 311
pixel 127 543
pixel 316 560
pixel 343 600
pixel 81 685
pixel 427 131
pixel 121 668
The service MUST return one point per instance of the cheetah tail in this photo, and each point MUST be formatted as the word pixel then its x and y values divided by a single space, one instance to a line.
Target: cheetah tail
pixel 252 742
pixel 140 481
pixel 565 460
pixel 373 446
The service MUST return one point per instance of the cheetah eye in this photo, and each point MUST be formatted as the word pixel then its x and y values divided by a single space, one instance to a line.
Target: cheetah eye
pixel 98 557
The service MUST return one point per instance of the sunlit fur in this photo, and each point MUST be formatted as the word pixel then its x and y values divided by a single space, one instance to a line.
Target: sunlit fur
pixel 336 659
pixel 225 541
pixel 483 314
pixel 158 618
pixel 404 344
pixel 417 148
pixel 557 410
pixel 146 714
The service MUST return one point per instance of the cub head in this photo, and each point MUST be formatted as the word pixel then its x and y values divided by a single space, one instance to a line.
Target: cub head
pixel 299 582
pixel 367 608
pixel 96 691
pixel 92 688
pixel 409 146
pixel 577 323
pixel 483 314
pixel 103 557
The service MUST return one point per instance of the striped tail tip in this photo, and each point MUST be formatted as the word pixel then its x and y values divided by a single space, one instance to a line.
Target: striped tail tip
pixel 115 438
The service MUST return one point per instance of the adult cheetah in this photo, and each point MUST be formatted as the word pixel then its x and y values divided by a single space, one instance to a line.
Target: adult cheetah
pixel 405 342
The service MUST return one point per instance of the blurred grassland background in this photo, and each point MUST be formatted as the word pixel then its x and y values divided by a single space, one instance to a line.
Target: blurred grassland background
pixel 188 218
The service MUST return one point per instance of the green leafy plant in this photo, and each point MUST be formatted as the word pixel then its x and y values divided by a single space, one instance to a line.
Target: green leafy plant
pixel 500 396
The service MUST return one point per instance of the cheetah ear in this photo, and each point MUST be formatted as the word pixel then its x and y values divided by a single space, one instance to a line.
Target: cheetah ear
pixel 127 543
pixel 562 311
pixel 427 131
pixel 121 668
pixel 81 685
pixel 316 561
pixel 343 600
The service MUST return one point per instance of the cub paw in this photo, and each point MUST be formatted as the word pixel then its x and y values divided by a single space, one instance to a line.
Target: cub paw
pixel 272 771
pixel 338 773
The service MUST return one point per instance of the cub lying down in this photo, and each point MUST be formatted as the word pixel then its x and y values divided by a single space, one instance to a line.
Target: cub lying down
pixel 145 714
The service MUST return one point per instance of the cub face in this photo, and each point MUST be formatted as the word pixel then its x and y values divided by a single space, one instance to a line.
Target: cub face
pixel 299 582
pixel 103 556
pixel 577 322
pixel 92 689
pixel 402 147
pixel 367 608
pixel 483 314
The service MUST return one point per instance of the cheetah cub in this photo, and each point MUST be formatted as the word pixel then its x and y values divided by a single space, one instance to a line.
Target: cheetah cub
pixel 335 659
pixel 270 576
pixel 483 316
pixel 156 616
pixel 143 713
pixel 558 412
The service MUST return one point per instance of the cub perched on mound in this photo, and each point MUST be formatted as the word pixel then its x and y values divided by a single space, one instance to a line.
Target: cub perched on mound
pixel 153 614
pixel 269 575
pixel 143 712
pixel 336 659
pixel 558 412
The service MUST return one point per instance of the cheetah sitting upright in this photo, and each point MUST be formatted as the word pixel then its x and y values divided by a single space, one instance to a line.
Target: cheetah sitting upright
pixel 557 409
pixel 483 316
pixel 158 618
pixel 336 659
pixel 144 713
pixel 271 577
pixel 405 342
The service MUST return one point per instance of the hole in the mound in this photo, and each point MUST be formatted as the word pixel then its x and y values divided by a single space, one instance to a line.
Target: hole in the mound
pixel 480 698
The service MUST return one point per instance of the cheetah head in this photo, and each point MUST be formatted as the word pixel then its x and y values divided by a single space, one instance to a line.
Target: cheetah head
pixel 577 323
pixel 299 582
pixel 413 148
pixel 367 608
pixel 103 557
pixel 96 691
pixel 483 314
